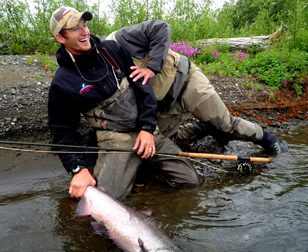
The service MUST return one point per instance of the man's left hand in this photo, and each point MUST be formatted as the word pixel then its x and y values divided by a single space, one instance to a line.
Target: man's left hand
pixel 80 182
pixel 145 144
pixel 141 72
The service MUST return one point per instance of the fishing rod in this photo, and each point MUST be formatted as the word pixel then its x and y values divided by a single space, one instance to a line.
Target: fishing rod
pixel 180 153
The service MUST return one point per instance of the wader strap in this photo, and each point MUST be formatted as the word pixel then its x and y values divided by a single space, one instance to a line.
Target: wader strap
pixel 120 75
pixel 184 70
pixel 192 69
pixel 117 113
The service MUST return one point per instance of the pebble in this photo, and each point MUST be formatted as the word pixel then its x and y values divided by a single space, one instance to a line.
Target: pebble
pixel 19 96
pixel 24 101
pixel 276 124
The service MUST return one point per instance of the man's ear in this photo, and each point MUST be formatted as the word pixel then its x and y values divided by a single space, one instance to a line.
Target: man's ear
pixel 60 38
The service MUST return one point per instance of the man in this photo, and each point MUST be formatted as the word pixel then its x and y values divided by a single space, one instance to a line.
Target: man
pixel 93 79
pixel 180 88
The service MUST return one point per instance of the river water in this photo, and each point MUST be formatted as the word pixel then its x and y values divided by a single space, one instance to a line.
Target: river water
pixel 266 211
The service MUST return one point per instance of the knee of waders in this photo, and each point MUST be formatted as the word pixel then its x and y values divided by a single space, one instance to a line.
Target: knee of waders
pixel 185 134
pixel 197 130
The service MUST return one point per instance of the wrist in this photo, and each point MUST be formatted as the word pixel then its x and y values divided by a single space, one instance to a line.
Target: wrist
pixel 148 128
pixel 77 169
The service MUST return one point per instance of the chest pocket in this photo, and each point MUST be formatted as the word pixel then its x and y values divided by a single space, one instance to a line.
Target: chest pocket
pixel 117 113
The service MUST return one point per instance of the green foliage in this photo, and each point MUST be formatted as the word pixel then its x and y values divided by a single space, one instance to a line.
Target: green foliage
pixel 298 23
pixel 130 12
pixel 43 59
pixel 275 67
pixel 252 85
pixel 26 27
pixel 191 20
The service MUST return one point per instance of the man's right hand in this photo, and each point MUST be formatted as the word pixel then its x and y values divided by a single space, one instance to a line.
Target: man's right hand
pixel 80 182
pixel 138 73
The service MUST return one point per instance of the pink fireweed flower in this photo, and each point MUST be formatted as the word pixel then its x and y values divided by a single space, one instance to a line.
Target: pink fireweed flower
pixel 181 47
pixel 239 56
pixel 284 82
pixel 215 54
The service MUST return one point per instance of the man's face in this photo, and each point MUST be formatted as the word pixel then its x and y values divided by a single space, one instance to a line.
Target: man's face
pixel 77 39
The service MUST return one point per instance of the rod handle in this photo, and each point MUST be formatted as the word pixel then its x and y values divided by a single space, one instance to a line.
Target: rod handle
pixel 217 156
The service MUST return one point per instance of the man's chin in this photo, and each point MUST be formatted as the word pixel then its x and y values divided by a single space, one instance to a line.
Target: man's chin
pixel 85 49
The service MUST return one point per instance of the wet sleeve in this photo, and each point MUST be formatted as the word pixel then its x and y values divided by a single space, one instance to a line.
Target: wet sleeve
pixel 150 37
pixel 63 122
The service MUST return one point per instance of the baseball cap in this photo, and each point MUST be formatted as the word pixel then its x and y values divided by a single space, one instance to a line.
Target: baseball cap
pixel 66 18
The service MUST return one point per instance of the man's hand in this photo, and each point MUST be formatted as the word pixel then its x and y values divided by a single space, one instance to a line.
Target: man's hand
pixel 141 72
pixel 80 182
pixel 145 143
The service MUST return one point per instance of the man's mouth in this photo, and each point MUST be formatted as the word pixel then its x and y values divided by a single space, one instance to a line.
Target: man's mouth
pixel 83 40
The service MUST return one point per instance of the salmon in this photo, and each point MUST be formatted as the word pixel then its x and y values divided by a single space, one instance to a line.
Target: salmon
pixel 131 230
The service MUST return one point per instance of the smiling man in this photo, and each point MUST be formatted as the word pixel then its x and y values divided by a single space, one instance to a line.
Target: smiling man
pixel 93 79
pixel 67 18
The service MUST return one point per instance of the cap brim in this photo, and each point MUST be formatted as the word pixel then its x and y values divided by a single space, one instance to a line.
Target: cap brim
pixel 87 16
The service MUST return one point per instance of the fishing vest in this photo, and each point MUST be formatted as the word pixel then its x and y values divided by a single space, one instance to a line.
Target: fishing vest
pixel 117 113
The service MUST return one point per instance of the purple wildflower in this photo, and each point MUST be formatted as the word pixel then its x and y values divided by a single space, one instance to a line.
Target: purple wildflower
pixel 183 48
pixel 239 56
pixel 284 82
pixel 215 54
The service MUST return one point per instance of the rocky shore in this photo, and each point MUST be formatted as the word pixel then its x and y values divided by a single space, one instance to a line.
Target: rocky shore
pixel 24 91
pixel 23 97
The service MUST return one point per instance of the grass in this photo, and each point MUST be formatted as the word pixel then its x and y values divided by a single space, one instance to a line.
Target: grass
pixel 44 59
pixel 276 67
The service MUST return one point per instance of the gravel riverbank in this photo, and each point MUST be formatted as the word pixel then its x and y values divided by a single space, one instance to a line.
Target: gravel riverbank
pixel 24 91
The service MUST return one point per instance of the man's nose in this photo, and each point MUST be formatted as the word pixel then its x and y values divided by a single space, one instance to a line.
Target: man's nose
pixel 83 29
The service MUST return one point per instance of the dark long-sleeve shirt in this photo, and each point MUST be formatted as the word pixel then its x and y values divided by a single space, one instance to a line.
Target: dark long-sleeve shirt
pixel 70 94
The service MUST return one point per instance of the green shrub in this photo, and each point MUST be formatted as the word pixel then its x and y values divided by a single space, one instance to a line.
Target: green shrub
pixel 276 66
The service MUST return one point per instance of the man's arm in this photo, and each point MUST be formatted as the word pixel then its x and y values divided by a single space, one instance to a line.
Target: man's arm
pixel 63 122
pixel 150 38
pixel 146 102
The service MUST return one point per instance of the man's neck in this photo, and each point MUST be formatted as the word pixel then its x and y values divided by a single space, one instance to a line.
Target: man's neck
pixel 78 53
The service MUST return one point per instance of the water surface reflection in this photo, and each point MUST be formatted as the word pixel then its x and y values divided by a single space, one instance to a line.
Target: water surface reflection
pixel 264 212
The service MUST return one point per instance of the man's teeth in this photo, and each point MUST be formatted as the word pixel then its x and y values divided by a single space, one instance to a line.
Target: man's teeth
pixel 83 40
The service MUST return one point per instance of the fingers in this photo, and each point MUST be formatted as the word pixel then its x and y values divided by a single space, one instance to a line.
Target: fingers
pixel 152 150
pixel 141 73
pixel 145 145
pixel 147 151
pixel 80 182
pixel 77 191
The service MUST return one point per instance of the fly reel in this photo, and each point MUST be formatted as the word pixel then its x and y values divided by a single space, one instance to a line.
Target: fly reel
pixel 244 168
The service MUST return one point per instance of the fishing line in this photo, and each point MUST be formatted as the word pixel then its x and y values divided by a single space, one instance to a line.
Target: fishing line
pixel 102 151
pixel 244 167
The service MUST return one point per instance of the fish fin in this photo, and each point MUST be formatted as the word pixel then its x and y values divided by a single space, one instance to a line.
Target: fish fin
pixel 99 228
pixel 82 208
pixel 152 221
pixel 101 188
pixel 147 212
pixel 141 245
